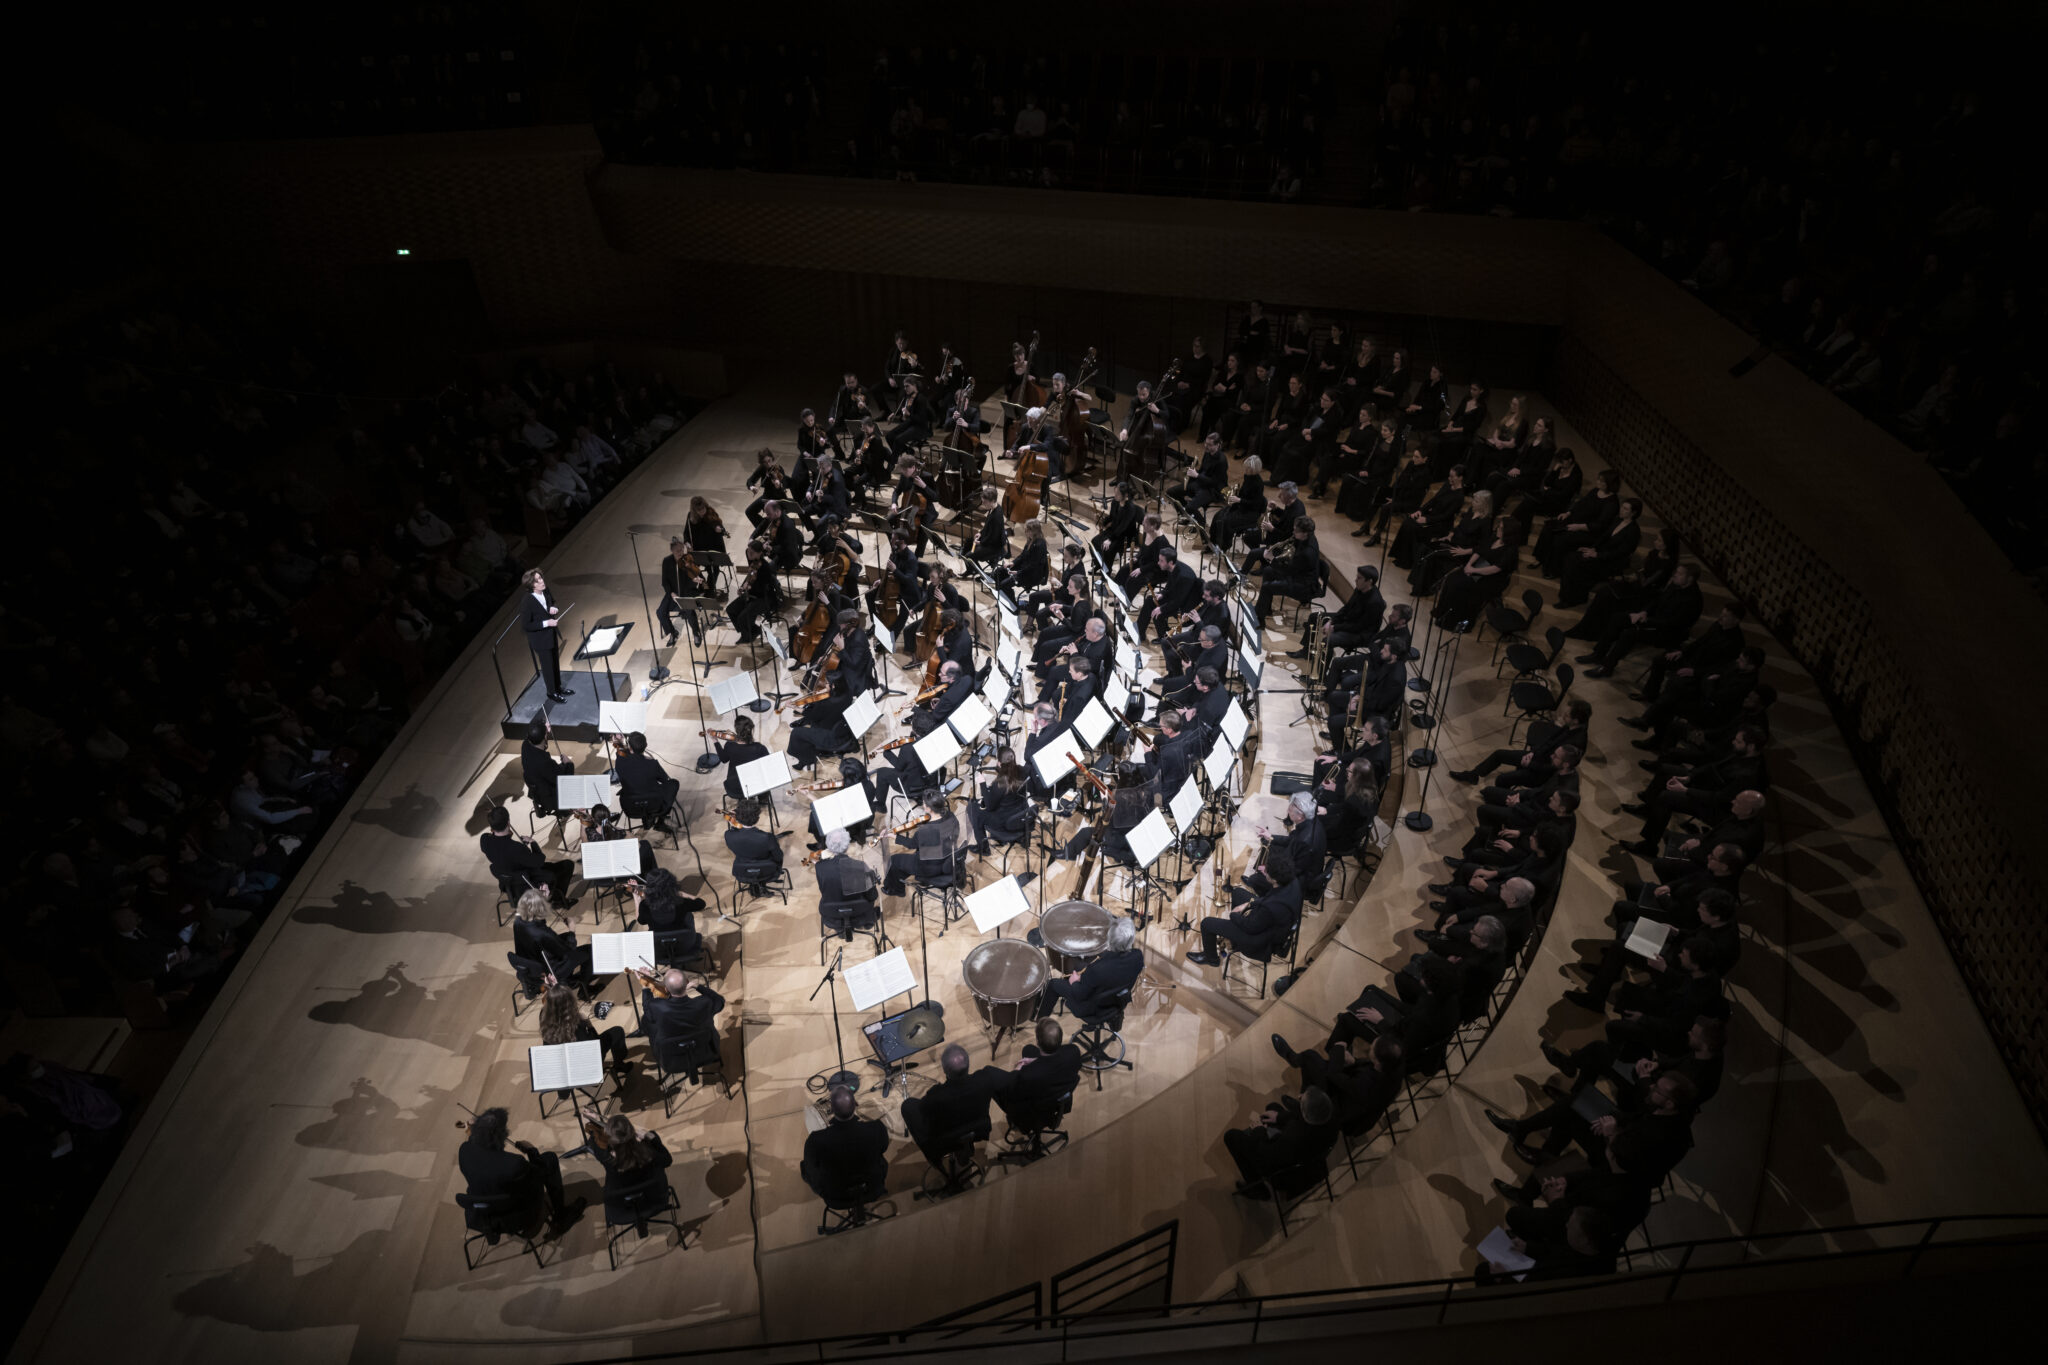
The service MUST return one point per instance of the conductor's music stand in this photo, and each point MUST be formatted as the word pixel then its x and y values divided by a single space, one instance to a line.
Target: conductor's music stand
pixel 593 649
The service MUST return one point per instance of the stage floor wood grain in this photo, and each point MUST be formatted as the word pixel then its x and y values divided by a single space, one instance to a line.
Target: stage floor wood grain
pixel 290 1194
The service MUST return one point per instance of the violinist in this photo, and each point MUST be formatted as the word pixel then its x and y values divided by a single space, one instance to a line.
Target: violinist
pixel 900 769
pixel 849 406
pixel 642 779
pixel 1179 588
pixel 557 955
pixel 869 463
pixel 811 441
pixel 680 1020
pixel 491 1172
pixel 680 577
pixel 958 685
pixel 562 1021
pixel 828 496
pixel 704 528
pixel 601 826
pixel 914 418
pixel 743 835
pixel 934 845
pixel 780 536
pixel 1031 565
pixel 848 885
pixel 915 503
pixel 661 907
pixel 540 768
pixel 992 542
pixel 900 369
pixel 742 748
pixel 951 371
pixel 1003 808
pixel 759 595
pixel 633 1161
pixel 1209 477
pixel 1120 524
pixel 773 483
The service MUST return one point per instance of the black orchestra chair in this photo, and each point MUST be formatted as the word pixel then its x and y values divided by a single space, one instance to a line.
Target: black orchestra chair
pixel 650 815
pixel 955 1159
pixel 760 877
pixel 653 1200
pixel 691 1061
pixel 938 877
pixel 683 948
pixel 1036 1135
pixel 1534 700
pixel 849 1206
pixel 522 1216
pixel 512 884
pixel 1262 958
pixel 532 978
pixel 843 919
pixel 1529 660
pixel 1099 1031
pixel 1293 1185
pixel 1511 627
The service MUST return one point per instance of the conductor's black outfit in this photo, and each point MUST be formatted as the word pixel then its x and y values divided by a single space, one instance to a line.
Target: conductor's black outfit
pixel 543 638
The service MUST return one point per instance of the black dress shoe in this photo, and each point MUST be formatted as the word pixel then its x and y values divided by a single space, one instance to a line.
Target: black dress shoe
pixel 1297 654
pixel 1635 722
pixel 1441 888
pixel 560 696
pixel 1585 1000
pixel 1586 659
pixel 1506 1125
pixel 1439 907
pixel 1557 1058
pixel 1641 697
pixel 1642 848
pixel 1466 775
pixel 1287 1054
pixel 1635 808
pixel 1514 1194
pixel 1533 1156
pixel 1202 959
pixel 1649 745
pixel 1603 671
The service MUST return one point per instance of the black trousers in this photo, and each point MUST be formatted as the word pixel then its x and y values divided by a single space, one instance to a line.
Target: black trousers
pixel 549 666
pixel 1214 928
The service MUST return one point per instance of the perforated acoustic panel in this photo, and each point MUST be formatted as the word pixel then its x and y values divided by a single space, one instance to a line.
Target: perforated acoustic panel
pixel 1986 902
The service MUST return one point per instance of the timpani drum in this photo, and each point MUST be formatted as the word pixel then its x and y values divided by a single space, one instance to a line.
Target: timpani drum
pixel 1075 934
pixel 1006 976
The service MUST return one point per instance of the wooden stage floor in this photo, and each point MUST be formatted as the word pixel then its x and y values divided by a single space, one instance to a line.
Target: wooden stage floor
pixel 290 1193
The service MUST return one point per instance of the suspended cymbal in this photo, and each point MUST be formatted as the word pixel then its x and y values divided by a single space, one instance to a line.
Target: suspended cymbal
pixel 922 1027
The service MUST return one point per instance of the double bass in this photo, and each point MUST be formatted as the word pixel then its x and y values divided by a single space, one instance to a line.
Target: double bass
pixel 1024 391
pixel 964 456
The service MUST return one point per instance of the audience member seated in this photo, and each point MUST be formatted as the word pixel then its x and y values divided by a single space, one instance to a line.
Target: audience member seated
pixel 849 1156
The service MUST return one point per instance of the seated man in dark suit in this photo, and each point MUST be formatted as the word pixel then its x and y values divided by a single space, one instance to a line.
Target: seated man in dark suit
pixel 1088 990
pixel 751 847
pixel 643 781
pixel 1050 1070
pixel 540 768
pixel 494 1173
pixel 1263 925
pixel 954 1113
pixel 1289 1134
pixel 847 898
pixel 510 853
pixel 1478 957
pixel 847 1154
pixel 1361 1090
pixel 661 907
pixel 1650 1136
pixel 1423 1026
pixel 682 1015
pixel 1184 661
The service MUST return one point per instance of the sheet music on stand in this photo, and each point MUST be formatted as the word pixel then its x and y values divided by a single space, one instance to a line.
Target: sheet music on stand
pixel 581 791
pixel 1235 724
pixel 605 858
pixel 882 635
pixel 1248 624
pixel 879 979
pixel 970 718
pixel 861 714
pixel 764 774
pixel 996 691
pixel 775 643
pixel 730 694
pixel 1052 762
pixel 1115 692
pixel 565 1066
pixel 841 809
pixel 936 749
pixel 621 717
pixel 1009 656
pixel 1149 839
pixel 611 954
pixel 1217 764
pixel 997 903
pixel 1093 723
pixel 1186 804
pixel 1127 659
pixel 1008 620
pixel 1130 633
pixel 601 642
pixel 1648 937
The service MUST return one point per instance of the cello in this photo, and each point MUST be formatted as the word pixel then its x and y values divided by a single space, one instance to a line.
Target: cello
pixel 964 455
pixel 1025 390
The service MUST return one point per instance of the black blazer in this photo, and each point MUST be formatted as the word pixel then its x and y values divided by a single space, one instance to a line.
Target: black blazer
pixel 754 845
pixel 503 850
pixel 540 770
pixel 1182 590
pixel 1106 976
pixel 640 776
pixel 989 546
pixel 1032 565
pixel 538 943
pixel 1038 1083
pixel 496 1174
pixel 671 1020
pixel 534 619
pixel 847 1153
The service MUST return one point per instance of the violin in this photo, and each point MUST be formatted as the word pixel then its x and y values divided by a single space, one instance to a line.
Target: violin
pixel 595 1135
pixel 733 820
pixel 821 786
pixel 719 734
pixel 895 744
pixel 811 859
pixel 805 700
pixel 922 818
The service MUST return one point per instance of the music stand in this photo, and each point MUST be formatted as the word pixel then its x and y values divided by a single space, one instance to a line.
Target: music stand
pixel 695 605
pixel 597 645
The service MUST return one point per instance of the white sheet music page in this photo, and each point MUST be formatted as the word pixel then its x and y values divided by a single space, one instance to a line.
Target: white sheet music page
pixel 611 954
pixel 730 694
pixel 970 718
pixel 563 1066
pixel 1648 937
pixel 621 717
pixel 997 903
pixel 879 979
pixel 602 641
pixel 1149 839
pixel 1499 1249
pixel 764 774
pixel 936 749
pixel 996 691
pixel 847 806
pixel 610 858
pixel 1116 691
pixel 581 791
pixel 1217 764
pixel 1235 724
pixel 1052 762
pixel 1186 804
pixel 862 713
pixel 1093 723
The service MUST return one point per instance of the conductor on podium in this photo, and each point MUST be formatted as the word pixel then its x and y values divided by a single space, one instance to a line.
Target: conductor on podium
pixel 542 620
